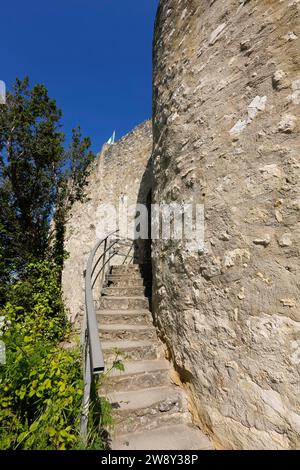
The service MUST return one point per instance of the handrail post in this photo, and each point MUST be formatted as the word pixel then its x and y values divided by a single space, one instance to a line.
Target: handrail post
pixel 104 258
pixel 86 393
pixel 131 246
pixel 108 263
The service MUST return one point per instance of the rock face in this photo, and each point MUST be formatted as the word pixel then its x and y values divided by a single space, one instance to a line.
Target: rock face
pixel 121 176
pixel 226 133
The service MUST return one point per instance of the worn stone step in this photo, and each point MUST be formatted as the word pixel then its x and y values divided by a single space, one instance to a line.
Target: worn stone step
pixel 126 268
pixel 125 282
pixel 135 280
pixel 151 420
pixel 173 437
pixel 131 350
pixel 124 291
pixel 139 375
pixel 132 276
pixel 130 317
pixel 127 403
pixel 133 266
pixel 123 303
pixel 118 331
pixel 137 409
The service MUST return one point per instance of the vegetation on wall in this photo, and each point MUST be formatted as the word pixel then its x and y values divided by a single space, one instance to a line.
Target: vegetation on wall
pixel 41 383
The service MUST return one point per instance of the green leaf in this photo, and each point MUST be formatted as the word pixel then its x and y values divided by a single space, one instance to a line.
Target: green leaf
pixel 47 383
pixel 34 426
pixel 118 365
pixel 51 431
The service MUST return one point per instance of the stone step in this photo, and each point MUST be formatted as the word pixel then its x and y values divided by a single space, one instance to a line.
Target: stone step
pixel 124 291
pixel 173 437
pixel 124 275
pixel 126 268
pixel 139 375
pixel 130 317
pixel 123 303
pixel 133 266
pixel 131 350
pixel 121 331
pixel 135 276
pixel 125 282
pixel 132 276
pixel 149 407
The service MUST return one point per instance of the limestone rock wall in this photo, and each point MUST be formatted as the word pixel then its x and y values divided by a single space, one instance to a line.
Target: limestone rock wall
pixel 121 173
pixel 226 133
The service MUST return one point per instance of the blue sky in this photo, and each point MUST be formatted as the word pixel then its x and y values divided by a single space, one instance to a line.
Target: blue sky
pixel 94 56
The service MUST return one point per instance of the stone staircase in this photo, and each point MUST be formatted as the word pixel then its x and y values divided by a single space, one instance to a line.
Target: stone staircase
pixel 150 412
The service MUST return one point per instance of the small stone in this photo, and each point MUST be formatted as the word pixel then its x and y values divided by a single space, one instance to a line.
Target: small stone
pixel 236 314
pixel 241 295
pixel 287 124
pixel 285 240
pixel 231 257
pixel 272 170
pixel 288 302
pixel 294 98
pixel 245 45
pixel 279 80
pixel 263 241
pixel 211 271
pixel 256 105
pixel 224 237
pixel 216 33
pixel 296 205
pixel 238 127
pixel 278 216
pixel 167 406
pixel 296 85
pixel 263 278
pixel 291 36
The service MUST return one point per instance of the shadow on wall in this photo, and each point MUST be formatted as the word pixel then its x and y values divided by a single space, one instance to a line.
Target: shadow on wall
pixel 142 246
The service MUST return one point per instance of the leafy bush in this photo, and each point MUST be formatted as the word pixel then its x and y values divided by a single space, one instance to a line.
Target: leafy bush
pixel 41 385
pixel 41 396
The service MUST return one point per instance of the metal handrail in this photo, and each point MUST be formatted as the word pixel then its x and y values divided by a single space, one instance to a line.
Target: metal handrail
pixel 93 356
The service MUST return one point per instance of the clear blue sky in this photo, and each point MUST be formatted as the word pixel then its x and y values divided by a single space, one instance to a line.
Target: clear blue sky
pixel 94 56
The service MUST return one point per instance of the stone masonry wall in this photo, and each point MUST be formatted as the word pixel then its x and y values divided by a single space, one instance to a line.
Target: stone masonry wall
pixel 226 133
pixel 121 173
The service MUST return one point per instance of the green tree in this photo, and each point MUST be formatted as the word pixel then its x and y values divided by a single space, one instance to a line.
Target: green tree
pixel 39 179
pixel 41 384
pixel 31 157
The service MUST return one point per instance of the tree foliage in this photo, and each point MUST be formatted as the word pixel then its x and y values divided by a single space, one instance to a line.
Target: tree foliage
pixel 41 383
pixel 39 177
